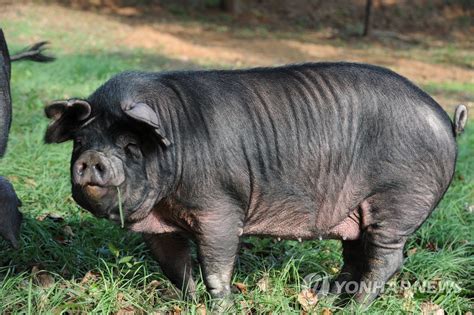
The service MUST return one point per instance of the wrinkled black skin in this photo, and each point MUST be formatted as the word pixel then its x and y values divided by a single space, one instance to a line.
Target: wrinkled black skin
pixel 10 217
pixel 254 150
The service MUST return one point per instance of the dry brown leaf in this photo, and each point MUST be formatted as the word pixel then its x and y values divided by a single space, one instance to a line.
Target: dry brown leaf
pixel 242 287
pixel 151 287
pixel 264 283
pixel 42 278
pixel 50 216
pixel 61 240
pixel 407 293
pixel 90 276
pixel 128 310
pixel 201 309
pixel 120 297
pixel 247 307
pixel 307 299
pixel 431 246
pixel 326 311
pixel 335 270
pixel 430 308
pixel 176 310
pixel 412 251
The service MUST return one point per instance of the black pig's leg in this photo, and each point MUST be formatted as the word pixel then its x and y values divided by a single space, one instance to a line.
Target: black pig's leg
pixel 218 245
pixel 354 262
pixel 394 215
pixel 384 257
pixel 174 256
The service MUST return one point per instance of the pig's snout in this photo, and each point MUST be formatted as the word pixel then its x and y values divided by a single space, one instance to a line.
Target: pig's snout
pixel 94 171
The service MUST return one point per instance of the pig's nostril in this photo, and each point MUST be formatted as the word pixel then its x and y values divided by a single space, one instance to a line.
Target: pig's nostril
pixel 81 168
pixel 100 167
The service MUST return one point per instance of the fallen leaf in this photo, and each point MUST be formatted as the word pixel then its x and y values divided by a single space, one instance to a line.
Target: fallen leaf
pixel 335 270
pixel 431 246
pixel 242 287
pixel 128 310
pixel 50 216
pixel 430 308
pixel 42 278
pixel 176 310
pixel 120 297
pixel 326 311
pixel 151 287
pixel 90 276
pixel 307 299
pixel 407 293
pixel 61 240
pixel 411 251
pixel 264 283
pixel 201 309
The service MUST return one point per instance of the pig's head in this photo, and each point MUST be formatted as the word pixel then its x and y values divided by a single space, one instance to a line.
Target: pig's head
pixel 119 153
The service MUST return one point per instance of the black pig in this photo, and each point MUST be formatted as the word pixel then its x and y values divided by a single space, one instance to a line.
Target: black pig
pixel 10 217
pixel 324 150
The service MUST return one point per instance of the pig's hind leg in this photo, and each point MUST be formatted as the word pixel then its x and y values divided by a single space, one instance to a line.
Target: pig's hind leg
pixel 377 255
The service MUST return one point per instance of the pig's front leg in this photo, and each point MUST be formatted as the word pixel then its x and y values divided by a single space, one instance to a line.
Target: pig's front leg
pixel 172 251
pixel 218 244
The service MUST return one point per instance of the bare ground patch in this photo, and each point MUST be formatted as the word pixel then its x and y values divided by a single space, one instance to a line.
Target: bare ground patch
pixel 224 46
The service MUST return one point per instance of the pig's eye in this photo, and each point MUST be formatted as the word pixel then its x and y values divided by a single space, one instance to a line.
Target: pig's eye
pixel 77 143
pixel 133 150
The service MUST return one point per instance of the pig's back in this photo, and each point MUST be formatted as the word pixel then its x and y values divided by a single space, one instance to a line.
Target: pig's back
pixel 317 137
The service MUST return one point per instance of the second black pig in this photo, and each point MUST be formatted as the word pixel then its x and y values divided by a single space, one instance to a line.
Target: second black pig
pixel 10 217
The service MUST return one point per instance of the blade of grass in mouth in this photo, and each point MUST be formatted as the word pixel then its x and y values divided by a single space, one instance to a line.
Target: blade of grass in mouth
pixel 122 221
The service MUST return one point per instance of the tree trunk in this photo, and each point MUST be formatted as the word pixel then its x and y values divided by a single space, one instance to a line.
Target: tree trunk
pixel 197 4
pixel 232 6
pixel 367 18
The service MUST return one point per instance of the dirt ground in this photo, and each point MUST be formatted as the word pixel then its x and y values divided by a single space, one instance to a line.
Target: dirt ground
pixel 217 44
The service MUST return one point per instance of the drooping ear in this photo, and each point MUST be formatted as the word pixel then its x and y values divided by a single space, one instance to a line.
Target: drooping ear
pixel 145 114
pixel 67 117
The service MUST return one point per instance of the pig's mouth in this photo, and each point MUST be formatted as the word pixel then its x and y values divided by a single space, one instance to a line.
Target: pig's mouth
pixel 103 202
pixel 137 213
pixel 95 192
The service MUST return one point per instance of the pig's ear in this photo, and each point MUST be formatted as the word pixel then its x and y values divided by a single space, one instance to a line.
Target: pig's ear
pixel 145 114
pixel 67 117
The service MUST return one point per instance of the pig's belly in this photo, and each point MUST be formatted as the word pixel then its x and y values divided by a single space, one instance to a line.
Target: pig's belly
pixel 299 225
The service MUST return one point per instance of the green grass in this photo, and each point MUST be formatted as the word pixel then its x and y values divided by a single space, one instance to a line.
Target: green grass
pixel 460 90
pixel 124 273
